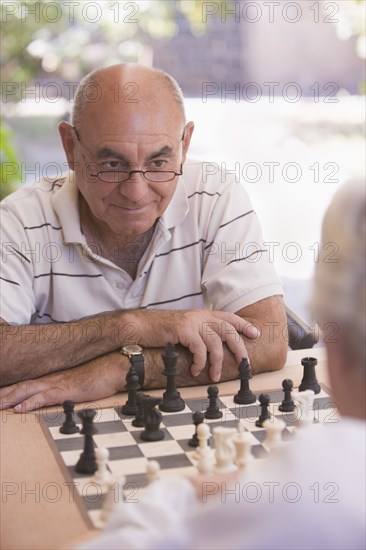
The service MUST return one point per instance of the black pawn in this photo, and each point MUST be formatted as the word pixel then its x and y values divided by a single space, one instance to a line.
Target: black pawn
pixel 264 401
pixel 138 421
pixel 69 426
pixel 244 396
pixel 197 418
pixel 172 401
pixel 130 408
pixel 152 419
pixel 213 410
pixel 287 404
pixel 309 381
pixel 87 463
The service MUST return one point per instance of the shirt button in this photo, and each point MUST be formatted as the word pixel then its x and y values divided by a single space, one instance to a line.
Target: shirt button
pixel 119 285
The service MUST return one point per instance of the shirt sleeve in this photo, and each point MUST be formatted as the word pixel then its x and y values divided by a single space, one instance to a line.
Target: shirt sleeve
pixel 17 301
pixel 237 268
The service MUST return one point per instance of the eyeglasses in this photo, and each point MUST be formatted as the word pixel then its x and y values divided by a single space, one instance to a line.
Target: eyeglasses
pixel 119 176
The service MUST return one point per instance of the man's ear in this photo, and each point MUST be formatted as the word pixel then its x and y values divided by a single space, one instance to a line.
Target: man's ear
pixel 68 142
pixel 188 131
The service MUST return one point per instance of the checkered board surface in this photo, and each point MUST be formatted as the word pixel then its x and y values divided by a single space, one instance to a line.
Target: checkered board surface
pixel 128 454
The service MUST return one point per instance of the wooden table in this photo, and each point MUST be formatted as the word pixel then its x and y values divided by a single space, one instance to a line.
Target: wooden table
pixel 35 515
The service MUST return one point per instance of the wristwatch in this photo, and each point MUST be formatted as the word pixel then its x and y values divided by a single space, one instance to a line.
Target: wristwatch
pixel 136 357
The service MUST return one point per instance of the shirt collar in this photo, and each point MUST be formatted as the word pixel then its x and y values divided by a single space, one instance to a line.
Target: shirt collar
pixel 65 203
pixel 177 209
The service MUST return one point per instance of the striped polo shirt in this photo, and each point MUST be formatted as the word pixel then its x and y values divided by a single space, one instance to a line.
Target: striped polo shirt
pixel 206 252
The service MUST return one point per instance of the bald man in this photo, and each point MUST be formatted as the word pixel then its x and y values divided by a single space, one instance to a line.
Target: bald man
pixel 134 246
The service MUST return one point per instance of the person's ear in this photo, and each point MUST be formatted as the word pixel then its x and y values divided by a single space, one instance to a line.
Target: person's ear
pixel 68 142
pixel 338 364
pixel 188 131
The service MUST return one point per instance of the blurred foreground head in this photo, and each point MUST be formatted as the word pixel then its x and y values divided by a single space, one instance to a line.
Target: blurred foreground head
pixel 339 293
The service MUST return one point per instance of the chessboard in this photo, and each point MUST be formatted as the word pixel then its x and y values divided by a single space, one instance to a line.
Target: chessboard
pixel 129 455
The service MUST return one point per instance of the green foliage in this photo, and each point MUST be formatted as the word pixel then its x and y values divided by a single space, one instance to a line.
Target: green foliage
pixel 9 166
pixel 59 41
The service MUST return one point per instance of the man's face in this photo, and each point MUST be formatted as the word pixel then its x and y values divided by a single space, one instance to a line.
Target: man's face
pixel 131 139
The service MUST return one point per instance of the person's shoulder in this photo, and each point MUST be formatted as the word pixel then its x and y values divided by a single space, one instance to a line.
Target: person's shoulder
pixel 40 190
pixel 31 205
pixel 324 443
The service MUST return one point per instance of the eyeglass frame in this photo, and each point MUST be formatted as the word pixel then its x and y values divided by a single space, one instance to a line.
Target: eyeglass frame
pixel 143 172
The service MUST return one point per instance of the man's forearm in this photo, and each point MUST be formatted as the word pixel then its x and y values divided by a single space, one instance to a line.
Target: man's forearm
pixel 30 351
pixel 265 355
pixel 268 352
pixel 105 375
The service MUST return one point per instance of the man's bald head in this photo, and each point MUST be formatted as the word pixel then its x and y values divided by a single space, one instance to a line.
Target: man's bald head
pixel 126 84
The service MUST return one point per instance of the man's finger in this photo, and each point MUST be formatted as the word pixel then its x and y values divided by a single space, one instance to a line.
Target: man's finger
pixel 237 347
pixel 40 399
pixel 199 352
pixel 240 325
pixel 18 392
pixel 216 357
pixel 6 390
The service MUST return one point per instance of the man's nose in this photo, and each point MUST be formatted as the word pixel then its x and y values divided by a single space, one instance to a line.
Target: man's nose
pixel 135 187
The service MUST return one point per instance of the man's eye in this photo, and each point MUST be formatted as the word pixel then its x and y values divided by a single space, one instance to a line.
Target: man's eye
pixel 158 163
pixel 113 165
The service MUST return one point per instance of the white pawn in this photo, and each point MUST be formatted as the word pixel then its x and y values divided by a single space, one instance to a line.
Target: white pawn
pixel 113 501
pixel 203 442
pixel 274 428
pixel 306 402
pixel 102 474
pixel 152 470
pixel 243 446
pixel 204 453
pixel 225 450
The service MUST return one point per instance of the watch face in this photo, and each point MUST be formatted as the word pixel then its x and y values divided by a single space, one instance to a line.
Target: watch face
pixel 132 349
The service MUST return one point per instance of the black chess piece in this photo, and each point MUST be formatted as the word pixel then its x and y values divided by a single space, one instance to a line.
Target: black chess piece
pixel 264 401
pixel 244 396
pixel 152 419
pixel 213 409
pixel 197 418
pixel 172 401
pixel 309 381
pixel 138 421
pixel 69 426
pixel 130 408
pixel 287 405
pixel 87 463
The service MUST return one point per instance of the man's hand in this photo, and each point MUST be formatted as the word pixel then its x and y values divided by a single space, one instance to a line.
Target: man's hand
pixel 84 383
pixel 202 332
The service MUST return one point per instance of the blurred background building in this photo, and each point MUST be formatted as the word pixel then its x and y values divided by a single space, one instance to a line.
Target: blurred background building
pixel 276 89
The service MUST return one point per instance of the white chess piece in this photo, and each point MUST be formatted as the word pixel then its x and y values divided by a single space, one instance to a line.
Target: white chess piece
pixel 274 428
pixel 152 470
pixel 205 436
pixel 243 445
pixel 204 453
pixel 113 501
pixel 102 474
pixel 224 450
pixel 306 402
